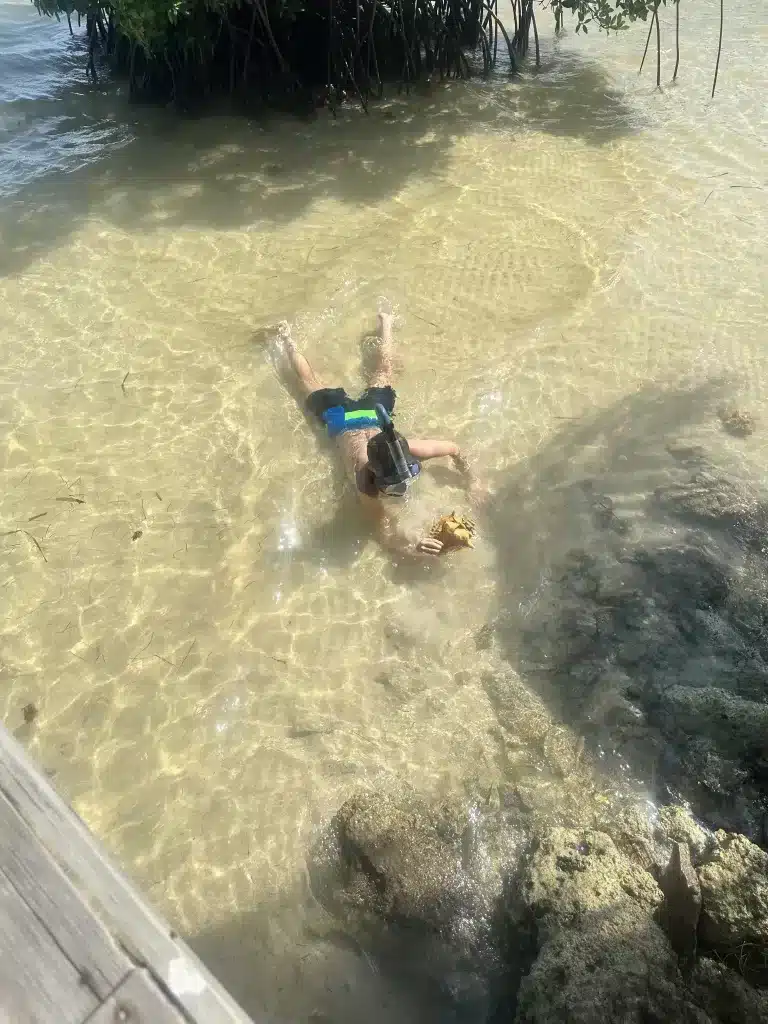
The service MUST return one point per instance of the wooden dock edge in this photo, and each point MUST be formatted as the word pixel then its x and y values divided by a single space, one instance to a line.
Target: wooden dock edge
pixel 91 894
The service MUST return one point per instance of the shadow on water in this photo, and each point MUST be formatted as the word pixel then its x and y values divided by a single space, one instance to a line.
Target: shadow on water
pixel 633 597
pixel 322 974
pixel 569 97
pixel 612 964
pixel 140 169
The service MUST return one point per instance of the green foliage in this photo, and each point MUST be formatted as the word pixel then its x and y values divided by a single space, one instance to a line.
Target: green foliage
pixel 609 15
pixel 338 46
pixel 147 22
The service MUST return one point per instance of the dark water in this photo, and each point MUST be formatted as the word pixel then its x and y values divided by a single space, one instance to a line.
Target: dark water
pixel 51 119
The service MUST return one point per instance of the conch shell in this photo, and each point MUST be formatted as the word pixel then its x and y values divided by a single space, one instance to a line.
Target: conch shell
pixel 454 531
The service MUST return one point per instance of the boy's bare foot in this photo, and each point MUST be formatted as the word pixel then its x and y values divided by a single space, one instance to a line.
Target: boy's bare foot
pixel 384 323
pixel 284 338
pixel 274 337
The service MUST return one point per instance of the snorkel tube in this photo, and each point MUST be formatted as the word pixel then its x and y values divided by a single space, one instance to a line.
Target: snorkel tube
pixel 393 443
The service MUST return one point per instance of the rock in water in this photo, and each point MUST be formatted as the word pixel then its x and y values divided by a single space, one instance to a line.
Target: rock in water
pixel 679 914
pixel 710 499
pixel 418 895
pixel 656 647
pixel 675 823
pixel 574 872
pixel 725 996
pixel 734 889
pixel 738 727
pixel 737 422
pixel 602 958
pixel 404 863
pixel 30 713
pixel 615 967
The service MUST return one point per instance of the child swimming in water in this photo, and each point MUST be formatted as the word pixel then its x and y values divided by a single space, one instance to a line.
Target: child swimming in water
pixel 378 458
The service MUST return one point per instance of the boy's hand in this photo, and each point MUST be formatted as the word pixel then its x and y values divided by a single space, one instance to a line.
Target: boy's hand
pixel 429 546
pixel 460 461
pixel 478 491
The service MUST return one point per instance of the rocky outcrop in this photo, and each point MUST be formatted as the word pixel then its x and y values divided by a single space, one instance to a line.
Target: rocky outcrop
pixel 725 996
pixel 675 824
pixel 708 498
pixel 579 925
pixel 603 955
pixel 574 872
pixel 615 966
pixel 735 726
pixel 734 886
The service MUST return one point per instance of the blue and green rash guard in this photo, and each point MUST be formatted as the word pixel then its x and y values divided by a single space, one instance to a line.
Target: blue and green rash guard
pixel 340 420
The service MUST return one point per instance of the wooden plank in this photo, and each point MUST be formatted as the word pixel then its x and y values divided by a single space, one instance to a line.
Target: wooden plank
pixel 138 930
pixel 137 1001
pixel 58 907
pixel 38 984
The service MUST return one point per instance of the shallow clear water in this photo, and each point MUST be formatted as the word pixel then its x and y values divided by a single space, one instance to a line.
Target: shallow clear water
pixel 211 691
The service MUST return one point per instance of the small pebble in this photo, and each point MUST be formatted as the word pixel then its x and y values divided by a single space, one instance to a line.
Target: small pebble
pixel 30 713
pixel 137 534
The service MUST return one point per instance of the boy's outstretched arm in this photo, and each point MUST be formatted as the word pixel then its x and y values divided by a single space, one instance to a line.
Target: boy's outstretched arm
pixel 395 540
pixel 435 449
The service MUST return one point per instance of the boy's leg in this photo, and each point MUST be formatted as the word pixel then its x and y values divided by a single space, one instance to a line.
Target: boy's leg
pixel 305 375
pixel 381 368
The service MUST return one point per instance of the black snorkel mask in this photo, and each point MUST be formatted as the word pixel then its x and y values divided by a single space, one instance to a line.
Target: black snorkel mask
pixel 403 471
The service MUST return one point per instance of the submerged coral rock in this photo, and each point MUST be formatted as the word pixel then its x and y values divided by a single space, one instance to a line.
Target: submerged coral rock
pixel 715 500
pixel 404 863
pixel 419 882
pixel 738 422
pixel 656 647
pixel 615 967
pixel 734 887
pixel 739 727
pixel 573 872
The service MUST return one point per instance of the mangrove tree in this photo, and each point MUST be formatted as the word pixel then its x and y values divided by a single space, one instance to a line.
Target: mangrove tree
pixel 319 52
